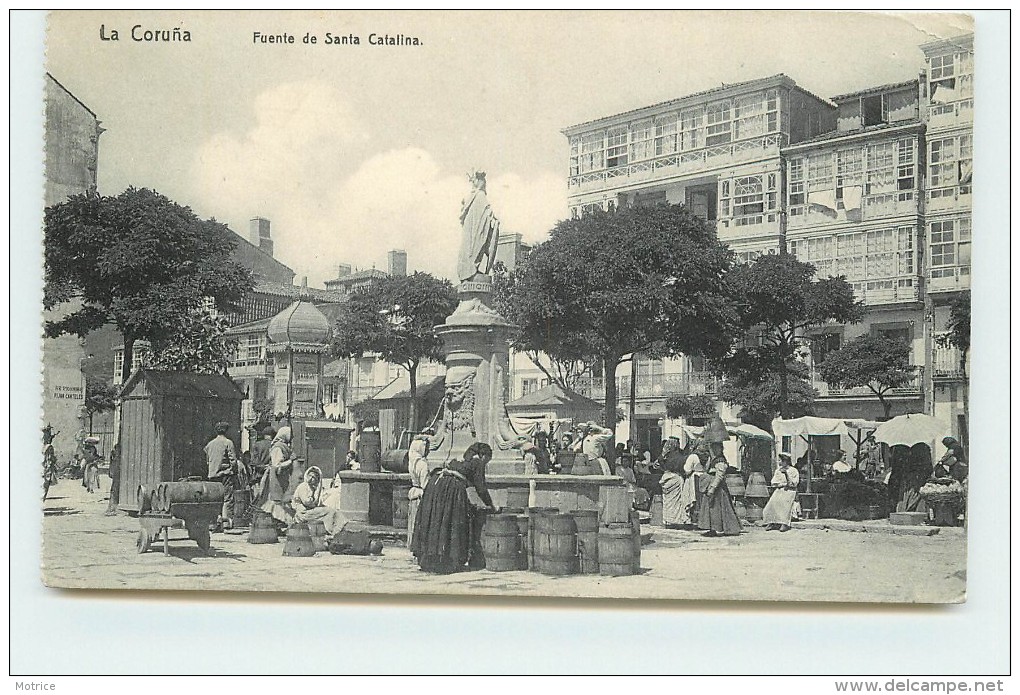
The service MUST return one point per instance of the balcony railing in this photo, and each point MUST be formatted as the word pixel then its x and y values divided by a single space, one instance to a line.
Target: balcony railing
pixel 911 389
pixel 948 364
pixel 949 198
pixel 877 205
pixel 678 163
pixel 950 115
pixel 949 278
pixel 652 386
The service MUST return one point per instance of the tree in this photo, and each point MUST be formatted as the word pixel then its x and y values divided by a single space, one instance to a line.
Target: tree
pixel 396 318
pixel 139 261
pixel 689 406
pixel 608 285
pixel 759 395
pixel 878 363
pixel 777 297
pixel 100 397
pixel 200 344
pixel 958 334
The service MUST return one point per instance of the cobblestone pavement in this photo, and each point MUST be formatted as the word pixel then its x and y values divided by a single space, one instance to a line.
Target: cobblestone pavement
pixel 82 548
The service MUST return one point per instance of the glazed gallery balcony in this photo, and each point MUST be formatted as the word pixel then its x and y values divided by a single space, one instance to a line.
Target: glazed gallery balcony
pixel 911 389
pixel 652 385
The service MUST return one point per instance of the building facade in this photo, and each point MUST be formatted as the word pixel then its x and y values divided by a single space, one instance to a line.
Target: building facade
pixel 874 185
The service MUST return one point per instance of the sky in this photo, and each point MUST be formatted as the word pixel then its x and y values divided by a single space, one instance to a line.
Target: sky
pixel 352 151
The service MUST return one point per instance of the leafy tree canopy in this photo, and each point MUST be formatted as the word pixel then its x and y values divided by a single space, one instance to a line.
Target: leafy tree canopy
pixel 759 397
pixel 958 334
pixel 100 396
pixel 875 362
pixel 200 344
pixel 137 260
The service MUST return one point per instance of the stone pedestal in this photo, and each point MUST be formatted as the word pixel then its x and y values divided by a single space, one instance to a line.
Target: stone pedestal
pixel 476 343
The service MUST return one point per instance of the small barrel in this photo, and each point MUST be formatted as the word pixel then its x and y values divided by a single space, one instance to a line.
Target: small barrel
pixel 240 514
pixel 318 530
pixel 587 522
pixel 756 486
pixel 400 503
pixel 556 544
pixel 635 528
pixel 533 514
pixel 516 498
pixel 263 528
pixel 741 509
pixel 501 543
pixel 565 462
pixel 617 549
pixel 143 498
pixel 735 484
pixel 299 541
pixel 394 461
pixel 524 555
pixel 172 493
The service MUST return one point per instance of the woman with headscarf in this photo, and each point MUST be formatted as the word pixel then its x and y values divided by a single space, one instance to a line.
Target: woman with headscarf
pixel 778 513
pixel 693 470
pixel 90 479
pixel 717 516
pixel 309 506
pixel 954 462
pixel 275 481
pixel 419 467
pixel 446 530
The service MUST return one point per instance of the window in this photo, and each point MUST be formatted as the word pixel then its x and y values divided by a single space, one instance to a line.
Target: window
pixel 665 135
pixel 949 246
pixel 772 111
pixel 874 110
pixel 575 156
pixel 592 152
pixel 905 164
pixel 254 349
pixel 118 366
pixel 820 172
pixel 724 198
pixel 797 195
pixel 882 254
pixel 894 333
pixel 849 166
pixel 528 386
pixel 719 124
pixel 616 148
pixel 331 393
pixel 881 174
pixel 691 122
pixel 749 117
pixel 642 142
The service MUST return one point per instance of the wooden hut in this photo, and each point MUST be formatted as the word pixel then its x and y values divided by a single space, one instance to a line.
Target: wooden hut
pixel 166 420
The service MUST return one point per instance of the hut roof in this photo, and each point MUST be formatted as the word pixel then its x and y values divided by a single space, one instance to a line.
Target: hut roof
pixel 553 396
pixel 401 388
pixel 161 383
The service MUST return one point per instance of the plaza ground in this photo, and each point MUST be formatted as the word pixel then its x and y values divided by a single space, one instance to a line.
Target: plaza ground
pixel 816 561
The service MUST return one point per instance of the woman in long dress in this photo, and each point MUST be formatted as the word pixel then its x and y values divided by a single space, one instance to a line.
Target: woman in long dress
pixel 779 511
pixel 269 496
pixel 672 484
pixel 309 505
pixel 693 470
pixel 717 517
pixel 445 535
pixel 419 468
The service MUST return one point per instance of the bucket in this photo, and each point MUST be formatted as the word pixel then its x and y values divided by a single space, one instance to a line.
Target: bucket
pixel 735 484
pixel 533 514
pixel 501 543
pixel 400 503
pixel 240 514
pixel 299 541
pixel 318 531
pixel 394 461
pixel 556 544
pixel 756 486
pixel 263 528
pixel 587 521
pixel 616 549
pixel 753 509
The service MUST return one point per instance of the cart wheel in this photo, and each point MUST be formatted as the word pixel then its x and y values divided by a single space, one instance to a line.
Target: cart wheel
pixel 144 541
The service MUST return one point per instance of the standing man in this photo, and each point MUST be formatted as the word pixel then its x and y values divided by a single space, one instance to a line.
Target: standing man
pixel 592 443
pixel 223 466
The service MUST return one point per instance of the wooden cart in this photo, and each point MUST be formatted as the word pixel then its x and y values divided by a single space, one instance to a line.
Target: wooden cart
pixel 194 517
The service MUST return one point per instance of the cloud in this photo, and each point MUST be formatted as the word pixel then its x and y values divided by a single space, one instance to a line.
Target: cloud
pixel 302 165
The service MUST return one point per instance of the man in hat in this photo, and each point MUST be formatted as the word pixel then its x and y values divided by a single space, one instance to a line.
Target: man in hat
pixel 224 467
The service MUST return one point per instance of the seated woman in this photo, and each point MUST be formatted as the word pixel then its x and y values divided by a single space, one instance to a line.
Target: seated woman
pixel 446 529
pixel 779 511
pixel 309 505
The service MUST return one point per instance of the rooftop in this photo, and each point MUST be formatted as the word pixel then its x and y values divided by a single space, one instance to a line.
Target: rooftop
pixel 869 130
pixel 879 89
pixel 964 42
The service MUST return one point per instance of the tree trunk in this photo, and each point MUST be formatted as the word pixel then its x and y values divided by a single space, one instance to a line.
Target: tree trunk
pixel 412 377
pixel 609 374
pixel 784 389
pixel 129 353
pixel 632 410
pixel 886 406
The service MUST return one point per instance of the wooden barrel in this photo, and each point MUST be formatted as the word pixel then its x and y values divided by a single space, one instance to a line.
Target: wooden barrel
pixel 369 451
pixel 565 462
pixel 533 514
pixel 318 530
pixel 395 461
pixel 501 544
pixel 656 511
pixel 635 529
pixel 617 549
pixel 263 528
pixel 143 498
pixel 740 509
pixel 756 486
pixel 556 544
pixel 754 509
pixel 735 484
pixel 587 521
pixel 240 513
pixel 524 556
pixel 299 541
pixel 171 493
pixel 516 498
pixel 400 503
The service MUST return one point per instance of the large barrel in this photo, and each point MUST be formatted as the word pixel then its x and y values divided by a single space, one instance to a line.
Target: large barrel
pixel 166 494
pixel 617 549
pixel 369 451
pixel 501 544
pixel 587 521
pixel 756 486
pixel 565 462
pixel 533 514
pixel 394 461
pixel 263 528
pixel 556 544
pixel 299 541
pixel 584 466
pixel 524 554
pixel 400 502
pixel 240 515
pixel 735 484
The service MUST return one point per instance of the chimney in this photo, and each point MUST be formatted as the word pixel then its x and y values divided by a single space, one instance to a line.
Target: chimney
pixel 343 270
pixel 259 235
pixel 397 262
pixel 304 281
